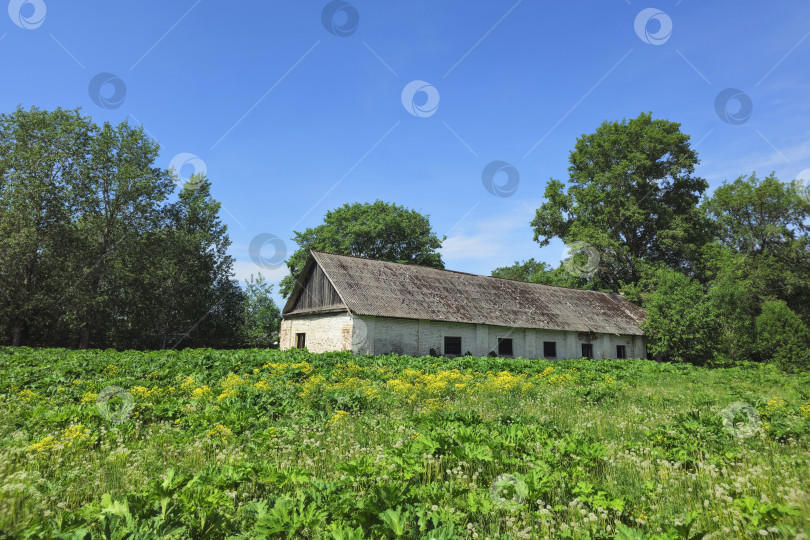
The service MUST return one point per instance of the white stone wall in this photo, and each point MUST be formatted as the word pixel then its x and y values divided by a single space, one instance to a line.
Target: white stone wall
pixel 405 336
pixel 327 332
pixel 383 335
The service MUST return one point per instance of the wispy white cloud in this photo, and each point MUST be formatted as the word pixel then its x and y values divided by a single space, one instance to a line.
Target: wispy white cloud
pixel 787 161
pixel 481 245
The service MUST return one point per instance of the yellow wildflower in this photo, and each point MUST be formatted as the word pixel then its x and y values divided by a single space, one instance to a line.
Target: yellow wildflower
pixel 311 385
pixel 27 395
pixel 46 443
pixel 338 418
pixel 276 367
pixel 75 435
pixel 139 391
pixel 220 432
pixel 774 405
pixel 228 393
pixel 306 367
pixel 201 392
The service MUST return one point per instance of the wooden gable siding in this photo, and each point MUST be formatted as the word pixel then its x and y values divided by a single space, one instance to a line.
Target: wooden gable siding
pixel 316 293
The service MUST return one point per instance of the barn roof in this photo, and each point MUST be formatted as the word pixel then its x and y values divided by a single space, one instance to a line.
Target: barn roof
pixel 386 289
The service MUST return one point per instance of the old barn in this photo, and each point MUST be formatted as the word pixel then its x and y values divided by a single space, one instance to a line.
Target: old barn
pixel 376 307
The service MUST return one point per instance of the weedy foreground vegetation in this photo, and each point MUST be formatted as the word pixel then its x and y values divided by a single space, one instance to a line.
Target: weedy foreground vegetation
pixel 259 443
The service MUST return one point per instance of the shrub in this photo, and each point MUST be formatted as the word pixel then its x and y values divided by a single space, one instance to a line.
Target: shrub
pixel 782 337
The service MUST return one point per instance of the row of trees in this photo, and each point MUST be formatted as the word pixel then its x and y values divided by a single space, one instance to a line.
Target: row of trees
pixel 97 251
pixel 724 277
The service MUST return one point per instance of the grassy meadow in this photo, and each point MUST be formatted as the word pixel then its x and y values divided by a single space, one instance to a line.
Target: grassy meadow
pixel 205 443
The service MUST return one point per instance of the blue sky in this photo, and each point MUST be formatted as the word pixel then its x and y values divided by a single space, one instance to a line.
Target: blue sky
pixel 292 117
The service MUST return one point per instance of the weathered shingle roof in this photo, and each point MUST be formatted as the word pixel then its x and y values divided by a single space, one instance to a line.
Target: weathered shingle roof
pixel 369 287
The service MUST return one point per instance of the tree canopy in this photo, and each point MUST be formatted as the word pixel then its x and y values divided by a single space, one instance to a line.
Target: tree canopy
pixel 717 273
pixel 96 250
pixel 378 230
pixel 632 196
pixel 541 272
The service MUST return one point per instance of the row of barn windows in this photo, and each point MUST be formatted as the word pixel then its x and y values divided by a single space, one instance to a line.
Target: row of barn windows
pixel 452 347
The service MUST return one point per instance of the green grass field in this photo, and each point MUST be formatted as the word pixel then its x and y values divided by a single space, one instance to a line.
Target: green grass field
pixel 262 443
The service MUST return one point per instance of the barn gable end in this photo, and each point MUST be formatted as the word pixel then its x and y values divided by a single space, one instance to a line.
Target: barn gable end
pixel 314 293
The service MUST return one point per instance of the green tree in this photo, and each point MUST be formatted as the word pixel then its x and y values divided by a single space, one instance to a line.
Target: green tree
pixel 522 271
pixel 735 305
pixel 121 197
pixel 767 224
pixel 540 272
pixel 262 317
pixel 632 196
pixel 378 230
pixel 681 321
pixel 782 337
pixel 93 253
pixel 42 157
pixel 190 283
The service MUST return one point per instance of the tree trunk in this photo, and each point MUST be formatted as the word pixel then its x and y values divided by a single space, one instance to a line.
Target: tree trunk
pixel 17 336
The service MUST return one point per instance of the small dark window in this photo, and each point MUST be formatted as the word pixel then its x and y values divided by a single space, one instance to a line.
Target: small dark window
pixel 587 350
pixel 504 347
pixel 550 349
pixel 300 341
pixel 621 351
pixel 452 345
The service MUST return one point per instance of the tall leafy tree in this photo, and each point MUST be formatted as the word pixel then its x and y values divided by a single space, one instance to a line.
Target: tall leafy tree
pixel 262 316
pixel 42 157
pixel 92 250
pixel 767 224
pixel 632 195
pixel 191 280
pixel 377 230
pixel 120 197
